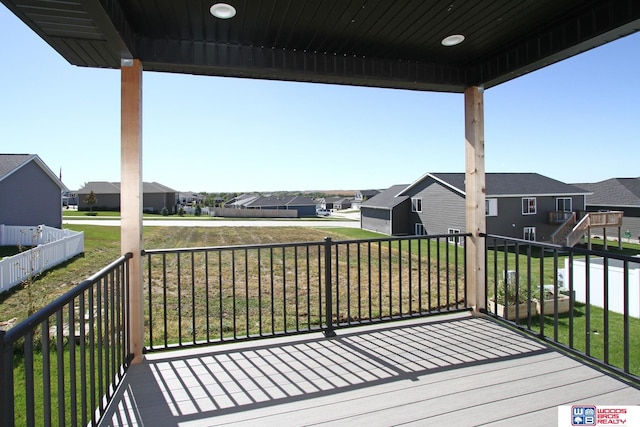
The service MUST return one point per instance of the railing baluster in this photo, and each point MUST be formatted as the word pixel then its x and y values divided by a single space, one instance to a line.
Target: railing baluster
pixel 284 291
pixel 359 285
pixel 369 278
pixel 193 299
pixel 233 292
pixel 328 304
pixel 259 292
pixel 206 295
pixel 60 366
pixel 296 287
pixel 429 304
pixel 605 278
pixel 164 300
pixel 220 297
pixel 246 291
pixel 29 384
pixel 46 373
pixel 625 316
pixel 179 285
pixel 347 285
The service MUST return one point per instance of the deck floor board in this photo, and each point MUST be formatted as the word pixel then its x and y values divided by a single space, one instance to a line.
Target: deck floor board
pixel 447 370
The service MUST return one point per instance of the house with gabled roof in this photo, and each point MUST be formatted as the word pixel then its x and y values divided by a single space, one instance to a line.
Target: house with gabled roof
pixel 617 194
pixel 30 193
pixel 522 205
pixel 361 196
pixel 155 196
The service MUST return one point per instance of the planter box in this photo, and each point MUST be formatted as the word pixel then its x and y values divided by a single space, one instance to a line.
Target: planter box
pixel 549 305
pixel 510 312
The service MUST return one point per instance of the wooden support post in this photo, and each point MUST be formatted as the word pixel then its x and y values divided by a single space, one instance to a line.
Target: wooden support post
pixel 131 196
pixel 475 197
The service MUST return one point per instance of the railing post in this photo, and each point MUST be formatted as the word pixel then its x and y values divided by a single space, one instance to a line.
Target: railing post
pixel 6 383
pixel 328 293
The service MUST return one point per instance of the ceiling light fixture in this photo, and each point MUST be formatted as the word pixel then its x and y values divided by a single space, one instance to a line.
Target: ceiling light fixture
pixel 223 10
pixel 453 40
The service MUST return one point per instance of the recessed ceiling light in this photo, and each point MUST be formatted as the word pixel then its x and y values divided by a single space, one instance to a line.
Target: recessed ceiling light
pixel 223 10
pixel 453 40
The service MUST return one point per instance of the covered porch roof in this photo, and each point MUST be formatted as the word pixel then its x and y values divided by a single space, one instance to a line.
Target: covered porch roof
pixel 395 44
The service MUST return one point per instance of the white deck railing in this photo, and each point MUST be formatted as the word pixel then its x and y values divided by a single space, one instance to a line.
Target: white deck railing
pixel 49 247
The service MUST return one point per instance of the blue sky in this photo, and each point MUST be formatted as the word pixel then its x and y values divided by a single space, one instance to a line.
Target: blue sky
pixel 575 121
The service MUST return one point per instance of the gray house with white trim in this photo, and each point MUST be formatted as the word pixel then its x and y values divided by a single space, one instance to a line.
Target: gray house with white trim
pixel 30 193
pixel 521 205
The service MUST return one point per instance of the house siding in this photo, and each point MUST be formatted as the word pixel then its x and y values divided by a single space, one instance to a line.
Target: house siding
pixel 105 202
pixel 442 208
pixel 510 221
pixel 378 220
pixel 401 226
pixel 30 197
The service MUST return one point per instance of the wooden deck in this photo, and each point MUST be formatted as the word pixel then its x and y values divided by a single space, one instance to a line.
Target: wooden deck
pixel 448 370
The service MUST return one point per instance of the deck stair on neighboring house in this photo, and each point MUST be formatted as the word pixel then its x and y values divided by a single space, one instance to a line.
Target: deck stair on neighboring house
pixel 570 232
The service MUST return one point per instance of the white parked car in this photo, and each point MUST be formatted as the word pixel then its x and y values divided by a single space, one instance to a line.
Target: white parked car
pixel 323 212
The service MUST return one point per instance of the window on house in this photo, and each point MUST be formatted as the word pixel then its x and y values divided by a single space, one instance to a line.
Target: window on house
pixel 563 204
pixel 528 205
pixel 491 207
pixel 416 204
pixel 530 233
pixel 454 240
pixel 420 231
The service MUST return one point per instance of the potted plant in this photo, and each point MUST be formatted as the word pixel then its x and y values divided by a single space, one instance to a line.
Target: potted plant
pixel 514 299
pixel 548 302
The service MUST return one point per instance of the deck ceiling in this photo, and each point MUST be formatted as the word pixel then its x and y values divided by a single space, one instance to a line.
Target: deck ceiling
pixel 378 43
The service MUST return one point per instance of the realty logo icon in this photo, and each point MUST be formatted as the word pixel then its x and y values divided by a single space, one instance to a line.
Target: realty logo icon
pixel 583 415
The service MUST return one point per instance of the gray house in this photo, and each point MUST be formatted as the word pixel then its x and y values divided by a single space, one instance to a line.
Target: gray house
pixel 155 196
pixel 361 196
pixel 30 193
pixel 617 194
pixel 521 205
pixel 303 205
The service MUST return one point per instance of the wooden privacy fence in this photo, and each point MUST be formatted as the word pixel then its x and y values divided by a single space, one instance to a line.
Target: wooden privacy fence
pixel 45 247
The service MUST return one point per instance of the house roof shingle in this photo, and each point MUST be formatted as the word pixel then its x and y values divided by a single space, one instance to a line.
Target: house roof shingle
pixel 613 192
pixel 387 199
pixel 10 163
pixel 104 187
pixel 507 184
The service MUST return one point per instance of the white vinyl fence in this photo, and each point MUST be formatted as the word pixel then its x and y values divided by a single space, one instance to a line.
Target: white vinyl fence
pixel 49 247
pixel 615 279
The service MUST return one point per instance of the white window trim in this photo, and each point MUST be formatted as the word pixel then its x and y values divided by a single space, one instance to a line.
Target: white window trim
pixel 419 229
pixel 532 230
pixel 570 204
pixel 453 239
pixel 492 207
pixel 414 204
pixel 535 206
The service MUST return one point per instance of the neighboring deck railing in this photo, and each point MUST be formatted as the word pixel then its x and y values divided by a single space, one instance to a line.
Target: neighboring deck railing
pixel 62 364
pixel 539 295
pixel 217 294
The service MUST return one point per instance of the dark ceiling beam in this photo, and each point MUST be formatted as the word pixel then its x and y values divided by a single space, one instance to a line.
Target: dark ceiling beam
pixel 609 21
pixel 197 57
